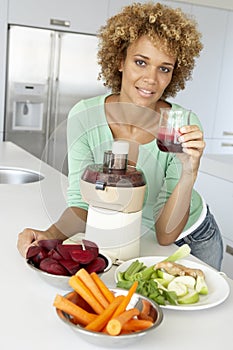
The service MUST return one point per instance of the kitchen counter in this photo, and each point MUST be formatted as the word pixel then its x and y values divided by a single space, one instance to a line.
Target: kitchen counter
pixel 218 165
pixel 28 319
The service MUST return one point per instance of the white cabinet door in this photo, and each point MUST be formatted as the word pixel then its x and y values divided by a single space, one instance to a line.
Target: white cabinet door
pixel 115 6
pixel 201 93
pixel 75 15
pixel 224 116
pixel 218 193
pixel 219 146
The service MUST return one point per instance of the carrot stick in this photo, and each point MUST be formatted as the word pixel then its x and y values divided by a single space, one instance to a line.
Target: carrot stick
pixel 101 320
pixel 115 325
pixel 106 292
pixel 145 312
pixel 122 307
pixel 85 293
pixel 92 286
pixel 135 325
pixel 80 315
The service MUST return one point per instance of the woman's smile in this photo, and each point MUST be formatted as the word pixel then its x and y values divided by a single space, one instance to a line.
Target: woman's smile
pixel 146 72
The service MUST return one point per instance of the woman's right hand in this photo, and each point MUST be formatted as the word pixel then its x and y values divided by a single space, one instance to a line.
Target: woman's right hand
pixel 29 237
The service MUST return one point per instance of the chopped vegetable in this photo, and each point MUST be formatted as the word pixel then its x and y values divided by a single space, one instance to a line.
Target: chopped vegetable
pixel 126 300
pixel 81 315
pixel 81 305
pixel 82 256
pixel 101 320
pixel 188 281
pixel 91 285
pixel 165 282
pixel 53 266
pixel 191 298
pixel 201 286
pixel 136 325
pixel 179 288
pixel 106 292
pixel 66 259
pixel 146 286
pixel 145 313
pixel 96 265
pixel 180 253
pixel 114 326
pixel 85 293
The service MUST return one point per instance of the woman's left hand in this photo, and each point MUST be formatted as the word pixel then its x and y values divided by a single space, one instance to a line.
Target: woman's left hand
pixel 193 146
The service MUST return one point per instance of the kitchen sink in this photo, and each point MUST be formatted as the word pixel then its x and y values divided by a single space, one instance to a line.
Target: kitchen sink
pixel 18 176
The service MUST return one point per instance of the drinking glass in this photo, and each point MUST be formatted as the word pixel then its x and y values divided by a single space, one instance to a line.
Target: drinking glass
pixel 169 125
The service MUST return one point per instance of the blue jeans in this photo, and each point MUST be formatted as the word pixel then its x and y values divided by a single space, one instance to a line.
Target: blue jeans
pixel 206 242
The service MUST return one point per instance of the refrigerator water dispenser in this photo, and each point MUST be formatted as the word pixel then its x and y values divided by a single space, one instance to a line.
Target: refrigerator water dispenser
pixel 28 107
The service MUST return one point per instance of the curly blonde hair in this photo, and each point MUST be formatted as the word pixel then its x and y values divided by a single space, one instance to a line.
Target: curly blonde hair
pixel 170 29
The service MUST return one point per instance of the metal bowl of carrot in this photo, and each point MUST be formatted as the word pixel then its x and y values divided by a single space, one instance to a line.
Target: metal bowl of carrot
pixel 106 317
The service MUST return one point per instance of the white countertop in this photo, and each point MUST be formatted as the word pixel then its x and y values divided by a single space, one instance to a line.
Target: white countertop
pixel 28 319
pixel 219 165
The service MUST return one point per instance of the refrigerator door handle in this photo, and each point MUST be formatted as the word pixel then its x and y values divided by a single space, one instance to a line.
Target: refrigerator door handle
pixel 49 95
pixel 55 97
pixel 59 22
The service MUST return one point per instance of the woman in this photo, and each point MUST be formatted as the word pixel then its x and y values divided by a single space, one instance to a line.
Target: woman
pixel 146 53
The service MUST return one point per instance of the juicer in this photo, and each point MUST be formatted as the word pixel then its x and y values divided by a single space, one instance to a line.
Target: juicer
pixel 115 193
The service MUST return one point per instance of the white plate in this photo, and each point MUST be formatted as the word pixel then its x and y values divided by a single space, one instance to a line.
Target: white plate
pixel 217 285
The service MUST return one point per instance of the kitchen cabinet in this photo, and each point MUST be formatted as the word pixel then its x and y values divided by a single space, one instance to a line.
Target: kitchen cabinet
pixel 218 194
pixel 223 127
pixel 226 4
pixel 201 92
pixel 75 15
pixel 227 264
pixel 219 146
pixel 116 6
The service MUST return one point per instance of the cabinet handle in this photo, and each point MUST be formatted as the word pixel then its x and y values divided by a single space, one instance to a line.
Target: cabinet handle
pixel 227 133
pixel 226 144
pixel 59 22
pixel 229 249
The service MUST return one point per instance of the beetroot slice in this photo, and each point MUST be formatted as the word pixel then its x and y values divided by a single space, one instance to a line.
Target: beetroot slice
pixel 89 245
pixel 65 249
pixel 97 265
pixel 53 253
pixel 36 259
pixel 32 251
pixel 52 266
pixel 70 265
pixel 82 256
pixel 49 243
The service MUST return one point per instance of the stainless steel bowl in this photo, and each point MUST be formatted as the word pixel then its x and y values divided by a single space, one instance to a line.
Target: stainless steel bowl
pixel 109 341
pixel 62 282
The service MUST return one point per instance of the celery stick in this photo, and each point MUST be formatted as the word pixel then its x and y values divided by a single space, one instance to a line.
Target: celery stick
pixel 134 267
pixel 180 253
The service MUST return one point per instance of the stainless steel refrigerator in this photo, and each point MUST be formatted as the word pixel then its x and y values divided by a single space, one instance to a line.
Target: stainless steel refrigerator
pixel 48 72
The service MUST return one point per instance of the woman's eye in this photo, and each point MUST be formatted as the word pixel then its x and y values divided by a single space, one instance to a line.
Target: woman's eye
pixel 165 69
pixel 140 62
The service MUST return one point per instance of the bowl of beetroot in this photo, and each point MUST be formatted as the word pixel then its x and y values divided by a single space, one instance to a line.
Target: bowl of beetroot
pixel 55 262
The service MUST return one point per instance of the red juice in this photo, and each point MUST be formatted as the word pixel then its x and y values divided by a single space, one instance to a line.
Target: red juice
pixel 168 142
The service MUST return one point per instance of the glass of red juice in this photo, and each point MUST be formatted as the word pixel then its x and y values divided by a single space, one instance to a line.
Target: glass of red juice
pixel 169 125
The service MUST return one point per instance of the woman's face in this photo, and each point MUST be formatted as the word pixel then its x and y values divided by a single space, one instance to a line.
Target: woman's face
pixel 146 72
